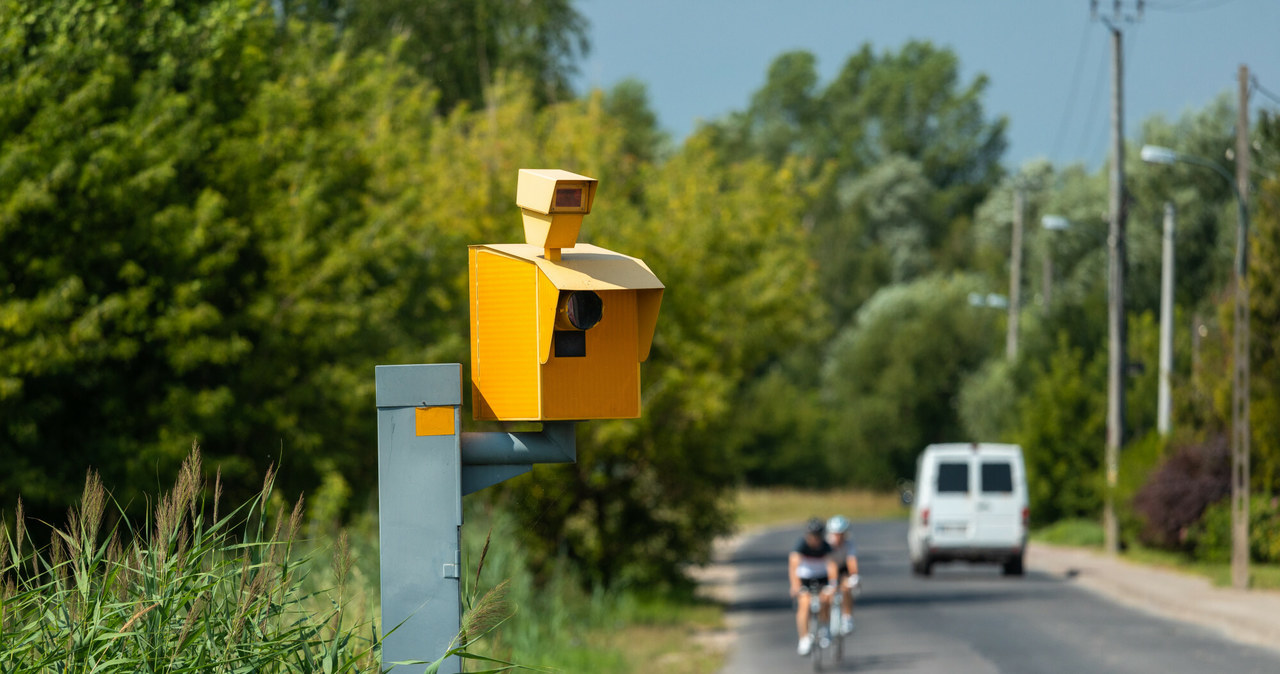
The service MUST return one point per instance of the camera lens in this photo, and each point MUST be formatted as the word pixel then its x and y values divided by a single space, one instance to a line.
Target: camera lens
pixel 581 309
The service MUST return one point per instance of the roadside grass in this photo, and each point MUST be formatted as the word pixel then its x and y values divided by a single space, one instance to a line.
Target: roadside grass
pixel 189 589
pixel 763 507
pixel 1078 533
pixel 1088 534
pixel 560 625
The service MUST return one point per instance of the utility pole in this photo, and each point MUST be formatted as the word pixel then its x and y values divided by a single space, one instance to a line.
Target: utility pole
pixel 1163 402
pixel 1015 271
pixel 1115 287
pixel 1240 387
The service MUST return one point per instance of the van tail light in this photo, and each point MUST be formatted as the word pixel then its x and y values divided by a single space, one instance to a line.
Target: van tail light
pixel 1026 516
pixel 924 517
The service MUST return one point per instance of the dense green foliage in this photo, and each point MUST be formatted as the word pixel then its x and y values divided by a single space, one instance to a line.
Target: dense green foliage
pixel 1210 537
pixel 895 372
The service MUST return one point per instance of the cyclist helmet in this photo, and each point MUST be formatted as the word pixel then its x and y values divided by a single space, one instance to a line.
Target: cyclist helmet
pixel 815 526
pixel 838 524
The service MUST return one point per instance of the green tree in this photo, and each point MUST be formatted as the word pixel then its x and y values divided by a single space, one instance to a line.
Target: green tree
pixel 461 46
pixel 891 379
pixel 118 259
pixel 232 194
pixel 1062 434
pixel 899 118
pixel 1264 296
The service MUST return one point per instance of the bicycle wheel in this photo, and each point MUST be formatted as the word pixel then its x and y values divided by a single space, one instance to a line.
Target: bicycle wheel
pixel 815 632
pixel 836 628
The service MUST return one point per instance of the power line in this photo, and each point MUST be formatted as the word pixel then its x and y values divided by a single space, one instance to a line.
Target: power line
pixel 1071 96
pixel 1099 80
pixel 1188 7
pixel 1257 86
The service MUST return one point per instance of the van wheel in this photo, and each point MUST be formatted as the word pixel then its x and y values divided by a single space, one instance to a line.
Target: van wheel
pixel 1013 566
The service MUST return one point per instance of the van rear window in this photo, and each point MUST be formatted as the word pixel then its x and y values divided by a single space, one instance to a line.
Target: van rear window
pixel 953 478
pixel 997 478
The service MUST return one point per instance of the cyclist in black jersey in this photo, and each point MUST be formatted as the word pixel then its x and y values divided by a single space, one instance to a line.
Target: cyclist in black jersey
pixel 812 568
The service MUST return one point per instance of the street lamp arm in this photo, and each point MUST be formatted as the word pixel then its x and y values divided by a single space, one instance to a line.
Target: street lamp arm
pixel 1154 154
pixel 1192 159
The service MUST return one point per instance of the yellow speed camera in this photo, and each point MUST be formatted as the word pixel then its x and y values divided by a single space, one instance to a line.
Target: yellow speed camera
pixel 558 328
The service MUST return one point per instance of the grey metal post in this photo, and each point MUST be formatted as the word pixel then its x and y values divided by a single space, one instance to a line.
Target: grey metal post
pixel 1163 400
pixel 1015 273
pixel 419 513
pixel 424 470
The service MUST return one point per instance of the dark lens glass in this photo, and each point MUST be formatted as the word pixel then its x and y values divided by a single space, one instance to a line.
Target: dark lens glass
pixel 584 309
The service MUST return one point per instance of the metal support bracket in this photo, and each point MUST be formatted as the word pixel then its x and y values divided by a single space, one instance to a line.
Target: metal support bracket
pixel 490 458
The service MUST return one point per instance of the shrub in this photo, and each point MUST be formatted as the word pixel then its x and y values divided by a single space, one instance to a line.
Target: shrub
pixel 1211 536
pixel 190 590
pixel 1177 493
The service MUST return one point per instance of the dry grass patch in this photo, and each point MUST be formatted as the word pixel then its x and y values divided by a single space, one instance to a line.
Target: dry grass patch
pixel 671 649
pixel 758 507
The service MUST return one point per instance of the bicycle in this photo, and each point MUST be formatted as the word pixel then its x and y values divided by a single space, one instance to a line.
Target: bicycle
pixel 836 639
pixel 819 635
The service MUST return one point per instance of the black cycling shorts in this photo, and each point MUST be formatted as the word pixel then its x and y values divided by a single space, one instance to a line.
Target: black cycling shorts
pixel 813 584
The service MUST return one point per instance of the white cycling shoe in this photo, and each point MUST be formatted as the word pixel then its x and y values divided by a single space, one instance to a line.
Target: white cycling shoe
pixel 806 645
pixel 846 624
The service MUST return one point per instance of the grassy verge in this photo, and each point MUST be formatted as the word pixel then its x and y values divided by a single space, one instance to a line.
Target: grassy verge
pixel 560 625
pixel 1074 532
pixel 782 505
pixel 1087 533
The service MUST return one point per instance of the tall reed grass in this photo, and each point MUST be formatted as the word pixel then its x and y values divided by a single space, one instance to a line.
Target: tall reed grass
pixel 190 589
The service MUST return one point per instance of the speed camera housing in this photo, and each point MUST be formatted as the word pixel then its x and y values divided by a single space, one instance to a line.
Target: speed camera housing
pixel 558 328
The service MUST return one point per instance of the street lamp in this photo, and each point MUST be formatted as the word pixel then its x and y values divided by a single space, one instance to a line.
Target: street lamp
pixel 1164 400
pixel 1052 223
pixel 989 300
pixel 1240 384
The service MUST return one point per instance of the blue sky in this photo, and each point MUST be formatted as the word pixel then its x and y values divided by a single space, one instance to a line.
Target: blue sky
pixel 1048 60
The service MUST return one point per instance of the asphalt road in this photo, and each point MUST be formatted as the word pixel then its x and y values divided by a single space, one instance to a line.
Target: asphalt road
pixel 965 618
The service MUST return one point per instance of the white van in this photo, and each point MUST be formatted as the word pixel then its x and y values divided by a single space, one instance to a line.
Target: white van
pixel 970 504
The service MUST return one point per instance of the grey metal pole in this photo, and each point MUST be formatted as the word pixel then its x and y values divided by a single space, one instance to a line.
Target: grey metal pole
pixel 1115 298
pixel 425 466
pixel 1240 388
pixel 1015 274
pixel 419 510
pixel 1163 398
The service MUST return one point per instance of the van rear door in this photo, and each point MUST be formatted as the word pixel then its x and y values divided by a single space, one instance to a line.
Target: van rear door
pixel 952 501
pixel 998 516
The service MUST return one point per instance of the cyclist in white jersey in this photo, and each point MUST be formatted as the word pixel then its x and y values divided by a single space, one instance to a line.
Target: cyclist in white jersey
pixel 846 556
pixel 812 568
